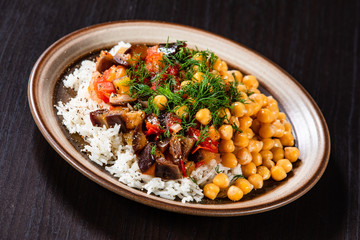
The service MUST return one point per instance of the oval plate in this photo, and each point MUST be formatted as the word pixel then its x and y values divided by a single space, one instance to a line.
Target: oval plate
pixel 308 122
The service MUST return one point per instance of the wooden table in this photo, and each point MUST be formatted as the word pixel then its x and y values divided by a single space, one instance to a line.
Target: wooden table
pixel 43 197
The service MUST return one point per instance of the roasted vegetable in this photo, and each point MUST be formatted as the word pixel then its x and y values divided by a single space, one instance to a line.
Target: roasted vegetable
pixel 120 99
pixel 146 158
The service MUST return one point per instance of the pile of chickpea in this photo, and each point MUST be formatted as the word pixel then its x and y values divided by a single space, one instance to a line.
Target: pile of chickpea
pixel 265 146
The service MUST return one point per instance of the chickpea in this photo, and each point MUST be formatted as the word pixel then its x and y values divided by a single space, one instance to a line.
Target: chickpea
pixel 250 108
pixel 278 173
pixel 278 153
pixel 234 121
pixel 226 132
pixel 292 153
pixel 213 133
pixel 266 155
pixel 268 163
pixel 185 83
pixel 264 172
pixel 160 101
pixel 258 98
pixel 226 146
pixel 244 185
pixel 198 57
pixel 265 115
pixel 238 109
pixel 228 78
pixel 277 143
pixel 238 75
pixel 241 88
pixel 255 126
pixel 198 76
pixel 241 140
pixel 281 116
pixel 182 112
pixel 229 160
pixel 254 145
pixel 256 180
pixel 221 180
pixel 223 67
pixel 248 169
pixel 234 193
pixel 249 133
pixel 215 72
pixel 218 64
pixel 279 129
pixel 203 116
pixel 288 127
pixel 268 143
pixel 273 105
pixel 245 122
pixel 250 81
pixel 266 130
pixel 285 164
pixel 244 156
pixel 225 113
pixel 287 139
pixel 256 158
pixel 211 190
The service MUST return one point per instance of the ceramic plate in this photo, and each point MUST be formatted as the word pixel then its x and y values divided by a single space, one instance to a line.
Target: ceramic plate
pixel 310 130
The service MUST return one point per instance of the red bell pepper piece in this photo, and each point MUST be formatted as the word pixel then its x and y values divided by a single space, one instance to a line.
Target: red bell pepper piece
pixel 206 144
pixel 183 169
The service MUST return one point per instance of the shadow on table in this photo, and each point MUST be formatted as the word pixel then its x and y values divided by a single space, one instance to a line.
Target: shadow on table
pixel 95 212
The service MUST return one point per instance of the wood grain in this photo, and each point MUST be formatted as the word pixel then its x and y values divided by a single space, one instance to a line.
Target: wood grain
pixel 317 42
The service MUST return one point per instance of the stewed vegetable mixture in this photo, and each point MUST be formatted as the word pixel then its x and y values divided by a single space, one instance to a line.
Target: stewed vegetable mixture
pixel 182 108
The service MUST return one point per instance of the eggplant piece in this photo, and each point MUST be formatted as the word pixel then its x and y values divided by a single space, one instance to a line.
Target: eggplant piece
pixel 104 62
pixel 165 169
pixel 98 117
pixel 122 59
pixel 115 117
pixel 120 99
pixel 145 158
pixel 175 148
pixel 133 119
pixel 104 117
pixel 204 155
pixel 138 49
pixel 139 140
pixel 187 144
pixel 163 145
pixel 171 48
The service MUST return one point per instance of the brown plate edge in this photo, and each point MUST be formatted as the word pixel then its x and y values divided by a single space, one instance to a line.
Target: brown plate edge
pixel 157 201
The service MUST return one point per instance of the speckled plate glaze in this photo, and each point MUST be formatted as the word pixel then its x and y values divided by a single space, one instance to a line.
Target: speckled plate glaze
pixel 309 125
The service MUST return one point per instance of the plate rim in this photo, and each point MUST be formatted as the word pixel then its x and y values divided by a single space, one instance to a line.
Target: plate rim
pixel 155 201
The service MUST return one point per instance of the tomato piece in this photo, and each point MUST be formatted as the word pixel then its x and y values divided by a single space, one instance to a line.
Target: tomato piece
pixel 154 129
pixel 153 59
pixel 103 90
pixel 172 70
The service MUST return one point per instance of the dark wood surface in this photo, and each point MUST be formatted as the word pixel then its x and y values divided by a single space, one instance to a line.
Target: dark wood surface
pixel 43 197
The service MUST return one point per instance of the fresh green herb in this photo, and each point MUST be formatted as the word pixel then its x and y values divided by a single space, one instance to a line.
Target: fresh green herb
pixel 188 174
pixel 153 150
pixel 236 177
pixel 236 128
pixel 204 133
pixel 217 169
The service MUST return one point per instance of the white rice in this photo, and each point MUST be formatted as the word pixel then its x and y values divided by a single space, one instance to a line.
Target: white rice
pixel 105 146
